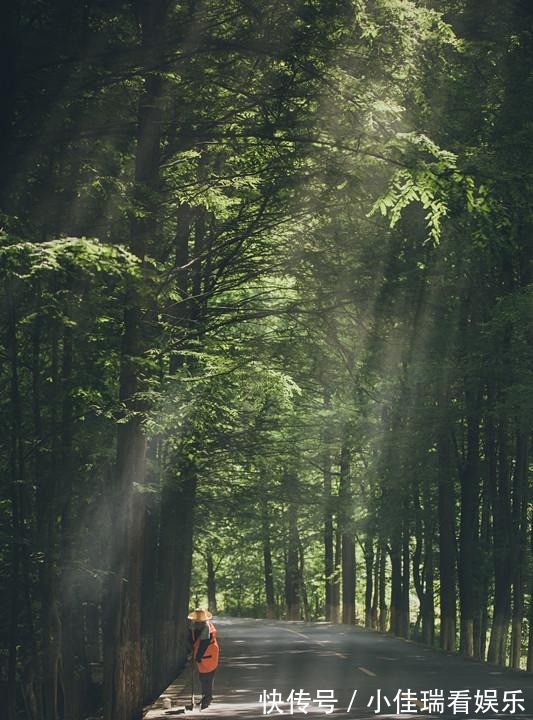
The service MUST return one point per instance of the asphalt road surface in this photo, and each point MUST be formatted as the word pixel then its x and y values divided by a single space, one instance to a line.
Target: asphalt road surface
pixel 274 669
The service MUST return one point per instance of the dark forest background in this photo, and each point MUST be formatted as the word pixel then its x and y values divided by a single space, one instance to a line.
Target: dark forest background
pixel 266 312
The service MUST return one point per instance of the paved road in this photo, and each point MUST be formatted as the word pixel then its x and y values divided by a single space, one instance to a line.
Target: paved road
pixel 324 663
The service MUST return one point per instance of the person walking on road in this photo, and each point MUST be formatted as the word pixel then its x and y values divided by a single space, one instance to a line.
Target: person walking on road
pixel 205 651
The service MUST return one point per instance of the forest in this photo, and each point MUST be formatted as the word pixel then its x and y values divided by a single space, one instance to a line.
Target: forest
pixel 267 340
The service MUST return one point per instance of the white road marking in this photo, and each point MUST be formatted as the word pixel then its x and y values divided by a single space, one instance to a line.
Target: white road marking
pixel 317 642
pixel 367 672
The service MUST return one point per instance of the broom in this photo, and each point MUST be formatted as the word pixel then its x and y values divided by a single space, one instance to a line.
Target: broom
pixel 181 710
pixel 193 699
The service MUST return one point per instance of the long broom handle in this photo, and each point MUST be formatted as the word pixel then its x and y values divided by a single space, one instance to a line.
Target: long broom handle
pixel 192 681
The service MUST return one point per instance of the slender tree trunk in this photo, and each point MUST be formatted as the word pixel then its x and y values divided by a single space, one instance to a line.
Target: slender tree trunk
pixel 329 560
pixel 303 588
pixel 211 584
pixel 271 611
pixel 123 672
pixel 396 581
pixel 15 469
pixel 405 624
pixel 292 570
pixel 39 463
pixel 335 585
pixel 481 620
pixel 369 581
pixel 520 502
pixel 375 598
pixel 530 614
pixel 418 576
pixel 73 663
pixel 423 570
pixel 382 588
pixel 150 571
pixel 331 580
pixel 428 619
pixel 498 468
pixel 47 526
pixel 347 538
pixel 446 504
pixel 469 477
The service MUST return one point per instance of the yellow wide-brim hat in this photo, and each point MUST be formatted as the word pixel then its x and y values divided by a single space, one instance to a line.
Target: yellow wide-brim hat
pixel 200 615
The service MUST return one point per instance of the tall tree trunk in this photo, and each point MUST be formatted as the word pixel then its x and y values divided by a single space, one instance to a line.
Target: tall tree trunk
pixel 499 481
pixel 335 585
pixel 174 558
pixel 405 624
pixel 73 662
pixel 382 587
pixel 396 580
pixel 530 614
pixel 469 477
pixel 178 492
pixel 211 583
pixel 481 618
pixel 428 617
pixel 47 527
pixel 374 612
pixel 369 581
pixel 418 576
pixel 39 460
pixel 15 482
pixel 303 588
pixel 123 673
pixel 152 526
pixel 446 505
pixel 329 559
pixel 423 569
pixel 347 537
pixel 271 612
pixel 520 502
pixel 292 570
pixel 330 577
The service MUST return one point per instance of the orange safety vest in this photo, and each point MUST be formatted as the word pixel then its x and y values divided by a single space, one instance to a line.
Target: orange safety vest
pixel 209 661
